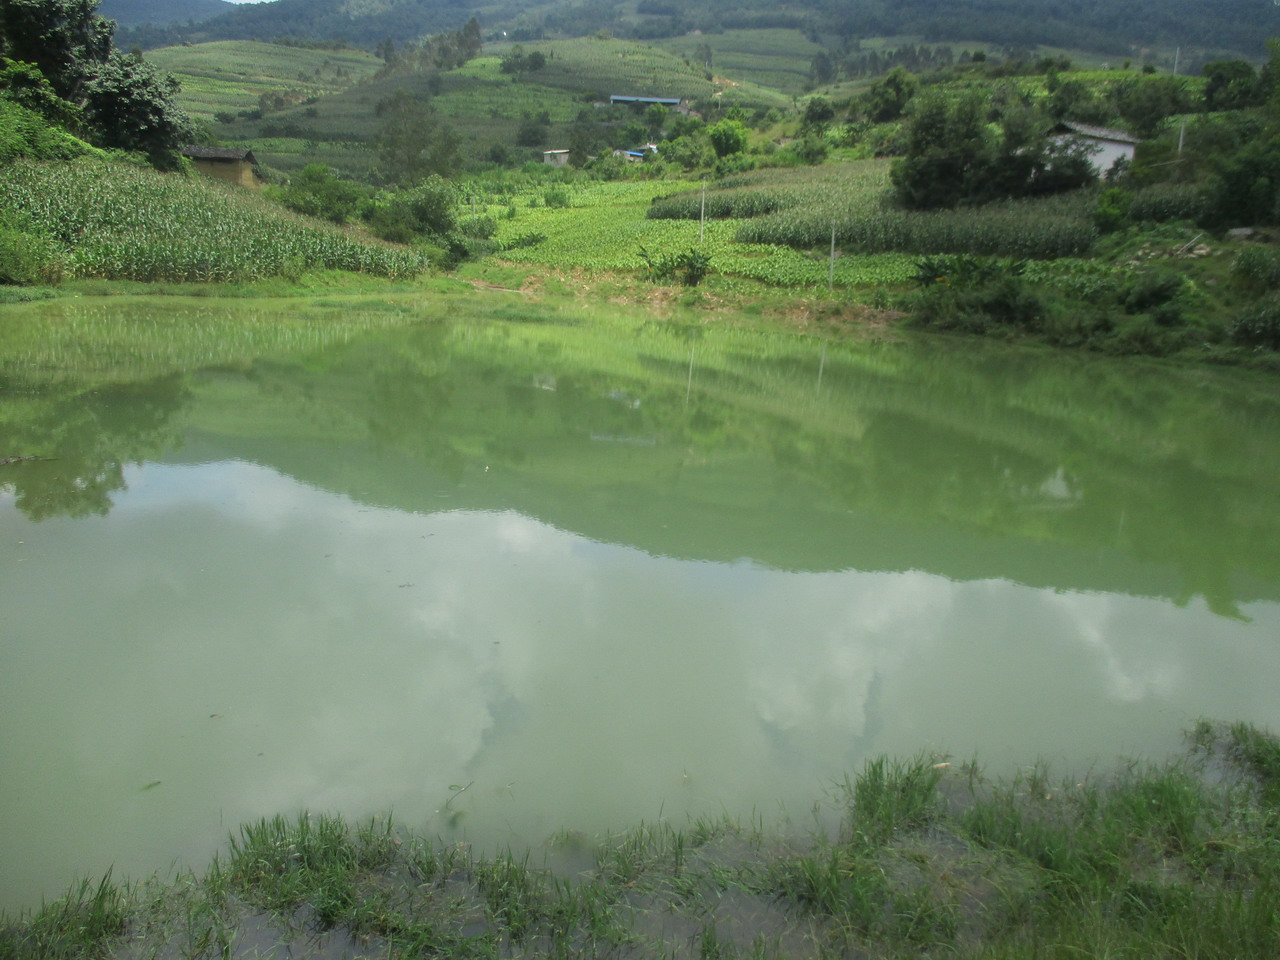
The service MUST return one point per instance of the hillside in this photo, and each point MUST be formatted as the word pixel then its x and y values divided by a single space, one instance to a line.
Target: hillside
pixel 233 75
pixel 132 13
pixel 1204 29
pixel 484 105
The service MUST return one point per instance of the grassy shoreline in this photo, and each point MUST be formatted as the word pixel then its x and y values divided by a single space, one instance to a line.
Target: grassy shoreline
pixel 926 858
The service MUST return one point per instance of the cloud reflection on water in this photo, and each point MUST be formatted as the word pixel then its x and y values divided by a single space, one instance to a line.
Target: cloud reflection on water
pixel 259 645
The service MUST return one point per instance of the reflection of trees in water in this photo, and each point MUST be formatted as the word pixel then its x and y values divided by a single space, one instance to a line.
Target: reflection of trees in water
pixel 88 438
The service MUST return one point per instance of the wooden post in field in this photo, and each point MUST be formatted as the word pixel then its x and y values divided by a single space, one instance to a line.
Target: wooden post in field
pixel 702 215
pixel 831 264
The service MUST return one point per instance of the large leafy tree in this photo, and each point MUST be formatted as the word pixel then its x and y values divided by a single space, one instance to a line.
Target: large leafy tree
pixel 953 156
pixel 66 39
pixel 413 142
pixel 125 102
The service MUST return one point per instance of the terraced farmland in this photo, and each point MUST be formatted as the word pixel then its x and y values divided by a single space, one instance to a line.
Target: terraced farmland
pixel 230 75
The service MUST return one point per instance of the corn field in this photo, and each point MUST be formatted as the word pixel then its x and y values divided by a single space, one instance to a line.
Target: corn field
pixel 119 222
pixel 1008 230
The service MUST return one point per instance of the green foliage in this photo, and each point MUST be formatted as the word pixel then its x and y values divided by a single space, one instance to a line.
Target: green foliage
pixel 88 921
pixel 689 266
pixel 132 107
pixel 125 222
pixel 692 151
pixel 811 149
pixel 889 797
pixel 1112 211
pixel 126 103
pixel 1246 190
pixel 818 112
pixel 888 98
pixel 1233 84
pixel 65 39
pixel 727 137
pixel 412 142
pixel 1166 202
pixel 1145 102
pixel 1257 269
pixel 1259 327
pixel 952 156
pixel 28 260
pixel 24 133
pixel 317 192
pixel 556 197
pixel 976 296
pixel 25 85
pixel 1017 229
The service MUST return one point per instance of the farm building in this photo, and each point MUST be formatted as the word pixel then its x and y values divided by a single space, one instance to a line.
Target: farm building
pixel 557 158
pixel 232 164
pixel 678 104
pixel 1109 145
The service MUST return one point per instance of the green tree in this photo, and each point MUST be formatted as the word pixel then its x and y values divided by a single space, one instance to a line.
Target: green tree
pixel 1233 84
pixel 945 153
pixel 888 98
pixel 413 142
pixel 134 107
pixel 1145 102
pixel 316 192
pixel 655 119
pixel 125 101
pixel 727 137
pixel 818 112
pixel 24 84
pixel 66 39
pixel 822 68
pixel 691 151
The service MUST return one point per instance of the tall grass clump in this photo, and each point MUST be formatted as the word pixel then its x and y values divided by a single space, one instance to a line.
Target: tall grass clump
pixel 84 923
pixel 120 222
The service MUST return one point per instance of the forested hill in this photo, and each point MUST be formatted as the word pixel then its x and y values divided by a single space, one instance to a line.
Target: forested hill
pixel 1110 27
pixel 131 13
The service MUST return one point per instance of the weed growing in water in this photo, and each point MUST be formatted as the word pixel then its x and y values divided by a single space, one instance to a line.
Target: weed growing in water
pixel 930 860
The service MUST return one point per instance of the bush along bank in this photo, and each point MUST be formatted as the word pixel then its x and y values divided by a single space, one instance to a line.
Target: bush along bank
pixel 1166 292
pixel 923 858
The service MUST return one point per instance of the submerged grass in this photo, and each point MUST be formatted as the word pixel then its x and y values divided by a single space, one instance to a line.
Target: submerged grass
pixel 928 859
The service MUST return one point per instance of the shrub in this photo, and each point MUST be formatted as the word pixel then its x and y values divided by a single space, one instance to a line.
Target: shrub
pixel 1259 328
pixel 727 137
pixel 1257 269
pixel 1112 211
pixel 689 267
pixel 556 197
pixel 478 228
pixel 1165 202
pixel 27 260
pixel 811 149
pixel 24 133
pixel 317 192
pixel 1152 289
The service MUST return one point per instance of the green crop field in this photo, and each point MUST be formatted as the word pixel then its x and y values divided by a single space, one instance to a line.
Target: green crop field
pixel 230 75
pixel 774 58
pixel 482 104
pixel 605 225
pixel 120 222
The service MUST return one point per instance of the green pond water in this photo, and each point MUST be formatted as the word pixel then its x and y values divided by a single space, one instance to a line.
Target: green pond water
pixel 594 567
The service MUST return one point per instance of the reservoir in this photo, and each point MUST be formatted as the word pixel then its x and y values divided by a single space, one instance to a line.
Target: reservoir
pixel 506 568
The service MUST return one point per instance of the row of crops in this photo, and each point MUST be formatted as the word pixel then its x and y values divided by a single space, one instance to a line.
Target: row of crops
pixel 603 226
pixel 846 203
pixel 129 223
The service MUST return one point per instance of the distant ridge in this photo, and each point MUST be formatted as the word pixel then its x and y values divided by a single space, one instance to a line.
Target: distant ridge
pixel 1123 29
pixel 134 13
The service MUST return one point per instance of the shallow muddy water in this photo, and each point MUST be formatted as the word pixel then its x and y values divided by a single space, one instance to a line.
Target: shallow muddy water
pixel 506 569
